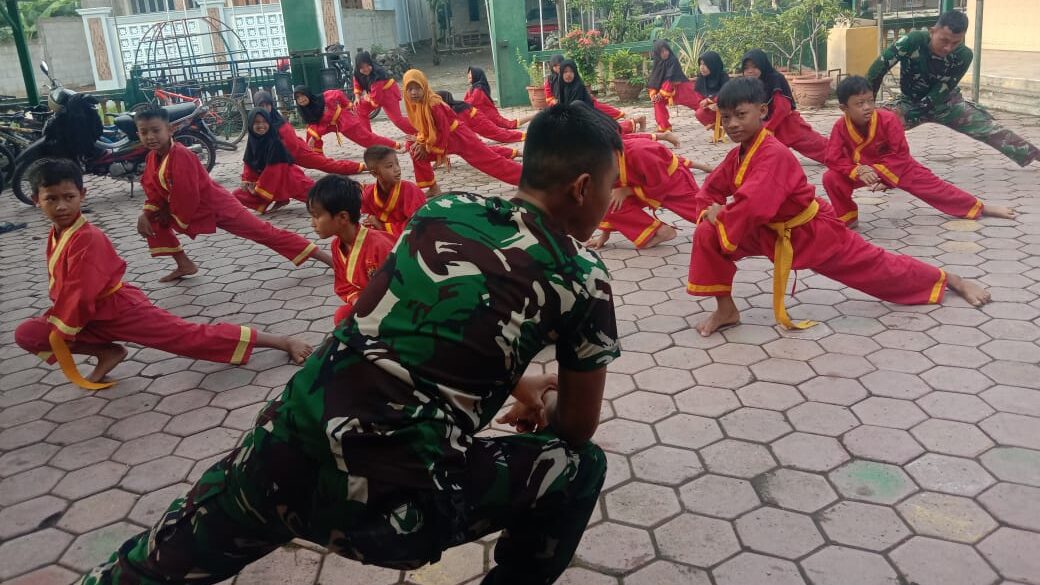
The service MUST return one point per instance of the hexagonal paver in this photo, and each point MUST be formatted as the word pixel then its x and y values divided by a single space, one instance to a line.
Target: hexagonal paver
pixel 28 485
pixel 32 551
pixel 883 444
pixel 689 431
pixel 778 532
pixel 889 412
pixel 833 390
pixel 895 385
pixel 642 504
pixel 1017 505
pixel 836 565
pixel 1013 553
pixel 666 465
pixel 336 570
pixel 770 396
pixel 1013 429
pixel 664 380
pixel 715 495
pixel 794 490
pixel 782 371
pixel 624 436
pixel 953 406
pixel 615 548
pixel 643 406
pixel 723 376
pixel 872 482
pixel 706 401
pixel 822 419
pixel 863 525
pixel 950 475
pixel 97 511
pixel 927 561
pixel 1014 400
pixel 29 515
pixel 951 438
pixel 666 573
pixel 737 458
pixel 577 576
pixel 966 380
pixel 946 517
pixel 1013 464
pixel 747 568
pixel 755 424
pixel 697 540
pixel 809 452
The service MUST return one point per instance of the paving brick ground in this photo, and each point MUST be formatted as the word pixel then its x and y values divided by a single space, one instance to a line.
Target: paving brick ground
pixel 886 445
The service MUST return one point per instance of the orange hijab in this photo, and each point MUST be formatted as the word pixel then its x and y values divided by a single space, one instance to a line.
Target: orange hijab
pixel 419 113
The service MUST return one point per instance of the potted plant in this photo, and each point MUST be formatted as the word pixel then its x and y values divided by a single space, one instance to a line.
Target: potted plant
pixel 535 91
pixel 626 70
pixel 586 48
pixel 805 25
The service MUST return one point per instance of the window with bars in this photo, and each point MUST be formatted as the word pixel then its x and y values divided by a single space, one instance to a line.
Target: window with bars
pixel 149 6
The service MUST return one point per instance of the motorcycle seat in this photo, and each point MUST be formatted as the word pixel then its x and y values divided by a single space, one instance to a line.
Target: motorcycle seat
pixel 125 123
pixel 116 145
pixel 178 111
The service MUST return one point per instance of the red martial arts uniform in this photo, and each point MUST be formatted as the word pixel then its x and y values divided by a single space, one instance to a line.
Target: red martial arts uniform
pixel 550 99
pixel 277 183
pixel 341 118
pixel 682 94
pixel 477 98
pixel 792 130
pixel 352 269
pixel 92 305
pixel 482 125
pixel 394 210
pixel 309 159
pixel 775 213
pixel 658 179
pixel 180 187
pixel 627 126
pixel 455 138
pixel 386 94
pixel 885 150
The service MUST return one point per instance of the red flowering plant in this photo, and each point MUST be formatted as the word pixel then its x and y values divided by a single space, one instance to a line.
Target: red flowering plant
pixel 586 48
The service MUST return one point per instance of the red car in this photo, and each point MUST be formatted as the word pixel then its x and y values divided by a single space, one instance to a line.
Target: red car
pixel 549 25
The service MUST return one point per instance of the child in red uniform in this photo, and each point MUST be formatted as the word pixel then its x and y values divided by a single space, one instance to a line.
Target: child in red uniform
pixel 479 95
pixel 269 176
pixel 389 202
pixel 332 112
pixel 298 149
pixel 183 198
pixel 711 79
pixel 555 62
pixel 471 116
pixel 376 88
pixel 439 133
pixel 570 88
pixel 93 308
pixel 868 148
pixel 774 212
pixel 668 85
pixel 335 205
pixel 786 124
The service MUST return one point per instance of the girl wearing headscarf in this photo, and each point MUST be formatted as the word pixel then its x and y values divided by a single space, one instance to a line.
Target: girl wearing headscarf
pixel 439 133
pixel 668 85
pixel 554 73
pixel 333 112
pixel 783 120
pixel 298 149
pixel 376 88
pixel 479 95
pixel 269 176
pixel 569 88
pixel 710 80
pixel 479 122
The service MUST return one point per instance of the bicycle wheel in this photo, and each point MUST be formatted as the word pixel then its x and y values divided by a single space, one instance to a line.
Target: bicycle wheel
pixel 202 146
pixel 226 118
pixel 6 165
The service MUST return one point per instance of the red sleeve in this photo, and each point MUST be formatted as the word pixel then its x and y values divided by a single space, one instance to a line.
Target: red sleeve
pixel 647 162
pixel 769 180
pixel 443 118
pixel 276 179
pixel 717 186
pixel 898 159
pixel 83 280
pixel 187 177
pixel 336 97
pixel 547 88
pixel 367 205
pixel 838 157
pixel 412 198
pixel 314 138
pixel 779 108
pixel 248 174
pixel 667 88
pixel 154 197
pixel 357 88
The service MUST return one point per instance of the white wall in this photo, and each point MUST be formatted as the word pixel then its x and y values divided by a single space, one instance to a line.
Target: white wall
pixel 365 28
pixel 412 18
pixel 11 73
pixel 65 49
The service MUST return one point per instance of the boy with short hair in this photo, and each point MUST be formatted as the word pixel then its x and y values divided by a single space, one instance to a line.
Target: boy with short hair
pixel 93 308
pixel 868 147
pixel 183 198
pixel 390 202
pixel 334 203
pixel 372 451
pixel 774 212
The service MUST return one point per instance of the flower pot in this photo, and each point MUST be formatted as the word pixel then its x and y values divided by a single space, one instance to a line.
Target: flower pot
pixel 536 94
pixel 810 92
pixel 626 90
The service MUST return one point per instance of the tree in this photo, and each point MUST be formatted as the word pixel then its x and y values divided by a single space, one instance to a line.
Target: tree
pixel 32 11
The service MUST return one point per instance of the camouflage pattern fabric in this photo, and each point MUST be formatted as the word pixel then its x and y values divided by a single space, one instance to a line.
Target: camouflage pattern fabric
pixel 370 450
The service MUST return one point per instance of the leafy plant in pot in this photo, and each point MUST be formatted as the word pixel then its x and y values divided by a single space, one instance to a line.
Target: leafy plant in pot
pixel 804 26
pixel 535 92
pixel 626 69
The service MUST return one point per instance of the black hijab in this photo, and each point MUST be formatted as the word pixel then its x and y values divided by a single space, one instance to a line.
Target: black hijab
pixel 554 60
pixel 710 84
pixel 665 69
pixel 770 77
pixel 378 72
pixel 262 97
pixel 267 149
pixel 480 81
pixel 315 109
pixel 458 106
pixel 575 91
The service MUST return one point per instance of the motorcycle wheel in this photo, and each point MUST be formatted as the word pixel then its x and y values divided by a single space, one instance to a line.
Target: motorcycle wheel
pixel 20 183
pixel 6 165
pixel 226 118
pixel 201 145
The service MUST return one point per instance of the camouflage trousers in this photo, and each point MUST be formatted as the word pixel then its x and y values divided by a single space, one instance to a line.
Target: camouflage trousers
pixel 968 119
pixel 534 488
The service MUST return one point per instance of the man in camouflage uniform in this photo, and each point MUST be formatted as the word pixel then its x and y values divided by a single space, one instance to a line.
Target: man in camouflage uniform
pixel 370 450
pixel 931 64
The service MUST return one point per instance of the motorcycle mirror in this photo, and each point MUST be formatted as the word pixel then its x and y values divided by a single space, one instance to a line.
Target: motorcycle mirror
pixel 43 67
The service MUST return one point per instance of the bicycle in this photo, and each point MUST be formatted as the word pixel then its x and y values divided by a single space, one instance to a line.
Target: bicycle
pixel 226 116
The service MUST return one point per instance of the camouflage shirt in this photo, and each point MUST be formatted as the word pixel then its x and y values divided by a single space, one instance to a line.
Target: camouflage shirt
pixel 474 289
pixel 923 77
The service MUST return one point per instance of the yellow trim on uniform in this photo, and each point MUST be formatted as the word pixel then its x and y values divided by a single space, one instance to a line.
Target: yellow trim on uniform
pixel 938 288
pixel 673 166
pixel 859 140
pixel 718 134
pixel 426 184
pixel 155 251
pixel 389 83
pixel 263 193
pixel 245 336
pixel 454 125
pixel 472 112
pixel 783 258
pixel 975 210
pixel 724 238
pixel 150 207
pixel 641 194
pixel 306 253
pixel 355 253
pixel 111 291
pixel 335 120
pixel 739 179
pixel 849 216
pixel 389 205
pixel 647 233
pixel 59 246
pixel 180 223
pixel 162 168
pixel 886 173
pixel 708 288
pixel 63 326
pixel 68 367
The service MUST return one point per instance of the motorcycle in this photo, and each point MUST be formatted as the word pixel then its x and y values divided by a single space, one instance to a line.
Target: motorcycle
pixel 338 60
pixel 75 132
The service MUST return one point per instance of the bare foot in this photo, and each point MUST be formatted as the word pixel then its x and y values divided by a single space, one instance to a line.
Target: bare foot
pixel 640 121
pixel 726 315
pixel 298 350
pixel 599 241
pixel 433 191
pixel 108 358
pixel 662 235
pixel 184 269
pixel 669 136
pixel 999 211
pixel 968 290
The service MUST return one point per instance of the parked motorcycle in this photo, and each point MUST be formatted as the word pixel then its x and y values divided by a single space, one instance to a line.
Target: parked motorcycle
pixel 75 132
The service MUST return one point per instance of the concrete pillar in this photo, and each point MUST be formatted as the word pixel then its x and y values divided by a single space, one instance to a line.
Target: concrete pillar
pixel 330 15
pixel 304 35
pixel 508 34
pixel 105 61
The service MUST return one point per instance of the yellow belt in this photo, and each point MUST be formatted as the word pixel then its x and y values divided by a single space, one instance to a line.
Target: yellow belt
pixel 783 258
pixel 717 134
pixel 64 357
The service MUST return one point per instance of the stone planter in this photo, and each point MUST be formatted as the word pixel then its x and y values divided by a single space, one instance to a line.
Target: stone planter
pixel 810 92
pixel 626 90
pixel 536 94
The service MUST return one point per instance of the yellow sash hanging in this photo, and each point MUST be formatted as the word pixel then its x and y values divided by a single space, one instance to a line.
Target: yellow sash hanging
pixel 783 258
pixel 68 367
pixel 335 120
pixel 717 134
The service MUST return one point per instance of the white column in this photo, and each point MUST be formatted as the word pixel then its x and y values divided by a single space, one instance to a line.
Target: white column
pixel 105 63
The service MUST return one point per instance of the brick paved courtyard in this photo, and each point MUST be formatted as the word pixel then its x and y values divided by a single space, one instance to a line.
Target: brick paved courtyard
pixel 886 445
